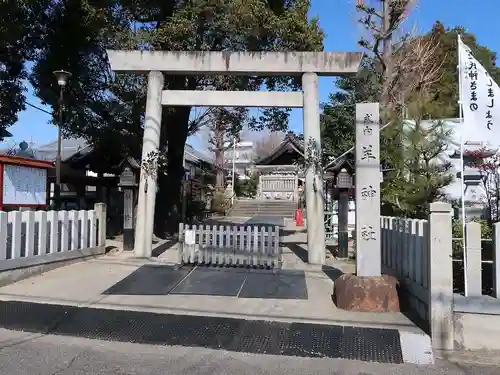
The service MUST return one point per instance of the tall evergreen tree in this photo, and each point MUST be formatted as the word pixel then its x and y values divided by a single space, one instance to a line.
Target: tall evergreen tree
pixel 21 23
pixel 107 106
pixel 411 180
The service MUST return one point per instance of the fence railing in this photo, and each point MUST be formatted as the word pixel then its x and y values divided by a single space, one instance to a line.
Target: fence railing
pixel 418 253
pixel 479 275
pixel 245 246
pixel 425 258
pixel 34 237
pixel 405 254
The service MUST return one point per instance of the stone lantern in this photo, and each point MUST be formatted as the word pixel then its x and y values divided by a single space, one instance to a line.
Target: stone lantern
pixel 344 185
pixel 128 183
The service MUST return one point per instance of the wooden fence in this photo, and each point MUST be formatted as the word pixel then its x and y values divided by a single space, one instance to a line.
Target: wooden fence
pixel 244 246
pixel 29 238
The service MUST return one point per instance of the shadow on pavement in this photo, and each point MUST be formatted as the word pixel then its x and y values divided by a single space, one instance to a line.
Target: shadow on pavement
pixel 267 221
pixel 298 250
pixel 288 232
pixel 160 249
pixel 332 272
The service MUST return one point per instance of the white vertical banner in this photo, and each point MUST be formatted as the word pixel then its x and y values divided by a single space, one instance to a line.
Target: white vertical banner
pixel 480 97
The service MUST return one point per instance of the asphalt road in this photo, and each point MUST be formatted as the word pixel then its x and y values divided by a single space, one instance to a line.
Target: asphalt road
pixel 33 354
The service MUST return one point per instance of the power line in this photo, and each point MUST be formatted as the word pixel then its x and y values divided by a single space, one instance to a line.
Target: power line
pixel 40 109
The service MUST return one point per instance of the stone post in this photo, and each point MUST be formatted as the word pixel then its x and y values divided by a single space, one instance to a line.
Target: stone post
pixel 496 260
pixel 473 270
pixel 314 177
pixel 368 253
pixel 343 215
pixel 100 209
pixel 147 184
pixel 441 276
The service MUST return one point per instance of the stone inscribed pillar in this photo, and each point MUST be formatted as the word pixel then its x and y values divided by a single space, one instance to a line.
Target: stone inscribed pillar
pixel 314 177
pixel 368 190
pixel 147 186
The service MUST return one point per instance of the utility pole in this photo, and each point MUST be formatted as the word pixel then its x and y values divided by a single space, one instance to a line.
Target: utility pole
pixel 232 177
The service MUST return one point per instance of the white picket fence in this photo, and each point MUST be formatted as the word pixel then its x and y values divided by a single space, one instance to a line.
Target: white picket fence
pixel 483 260
pixel 35 237
pixel 246 246
pixel 405 254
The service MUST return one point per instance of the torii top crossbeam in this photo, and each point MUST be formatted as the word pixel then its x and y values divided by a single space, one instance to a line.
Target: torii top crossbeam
pixel 237 63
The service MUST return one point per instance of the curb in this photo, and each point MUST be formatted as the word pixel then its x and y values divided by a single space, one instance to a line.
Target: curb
pixel 239 335
pixel 416 348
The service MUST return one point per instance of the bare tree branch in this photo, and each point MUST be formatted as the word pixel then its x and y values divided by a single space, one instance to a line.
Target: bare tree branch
pixel 267 143
pixel 415 68
pixel 410 64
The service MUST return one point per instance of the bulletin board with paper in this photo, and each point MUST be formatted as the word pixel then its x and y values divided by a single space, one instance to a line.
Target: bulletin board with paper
pixel 24 182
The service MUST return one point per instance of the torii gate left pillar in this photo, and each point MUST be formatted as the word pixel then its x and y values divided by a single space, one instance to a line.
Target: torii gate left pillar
pixel 307 65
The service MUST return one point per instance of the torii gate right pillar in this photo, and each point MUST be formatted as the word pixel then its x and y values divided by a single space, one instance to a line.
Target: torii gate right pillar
pixel 314 175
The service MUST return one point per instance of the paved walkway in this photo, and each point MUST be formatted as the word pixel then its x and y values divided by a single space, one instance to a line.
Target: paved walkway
pixel 84 284
pixel 90 284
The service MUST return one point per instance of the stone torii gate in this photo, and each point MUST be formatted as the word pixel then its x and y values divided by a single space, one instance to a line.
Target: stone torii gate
pixel 306 64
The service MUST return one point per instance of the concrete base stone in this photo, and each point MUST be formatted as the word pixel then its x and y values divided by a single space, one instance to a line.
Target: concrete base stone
pixel 366 294
pixel 416 348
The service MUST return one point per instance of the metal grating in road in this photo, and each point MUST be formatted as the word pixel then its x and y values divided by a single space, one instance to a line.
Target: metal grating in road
pixel 251 336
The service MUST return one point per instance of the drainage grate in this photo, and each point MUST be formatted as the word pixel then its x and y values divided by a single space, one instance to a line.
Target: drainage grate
pixel 251 336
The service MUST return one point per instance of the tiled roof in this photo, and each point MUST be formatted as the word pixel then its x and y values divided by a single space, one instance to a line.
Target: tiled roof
pixel 194 156
pixel 70 147
pixel 73 146
pixel 290 140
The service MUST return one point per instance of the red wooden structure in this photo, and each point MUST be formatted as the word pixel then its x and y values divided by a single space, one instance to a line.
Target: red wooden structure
pixel 6 162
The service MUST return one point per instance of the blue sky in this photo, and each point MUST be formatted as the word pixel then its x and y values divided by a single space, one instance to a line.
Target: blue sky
pixel 338 20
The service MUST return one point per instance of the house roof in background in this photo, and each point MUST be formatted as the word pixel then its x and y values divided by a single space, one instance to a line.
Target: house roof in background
pixel 75 149
pixel 70 147
pixel 290 143
pixel 345 161
pixel 195 156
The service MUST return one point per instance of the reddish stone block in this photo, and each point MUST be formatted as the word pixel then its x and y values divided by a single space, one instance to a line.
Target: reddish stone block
pixel 367 294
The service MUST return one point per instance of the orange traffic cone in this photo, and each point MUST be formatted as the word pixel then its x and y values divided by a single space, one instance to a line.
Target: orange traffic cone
pixel 298 218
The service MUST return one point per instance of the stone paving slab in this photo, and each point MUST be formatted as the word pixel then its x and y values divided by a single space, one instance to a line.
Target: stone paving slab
pixel 84 284
pixel 211 282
